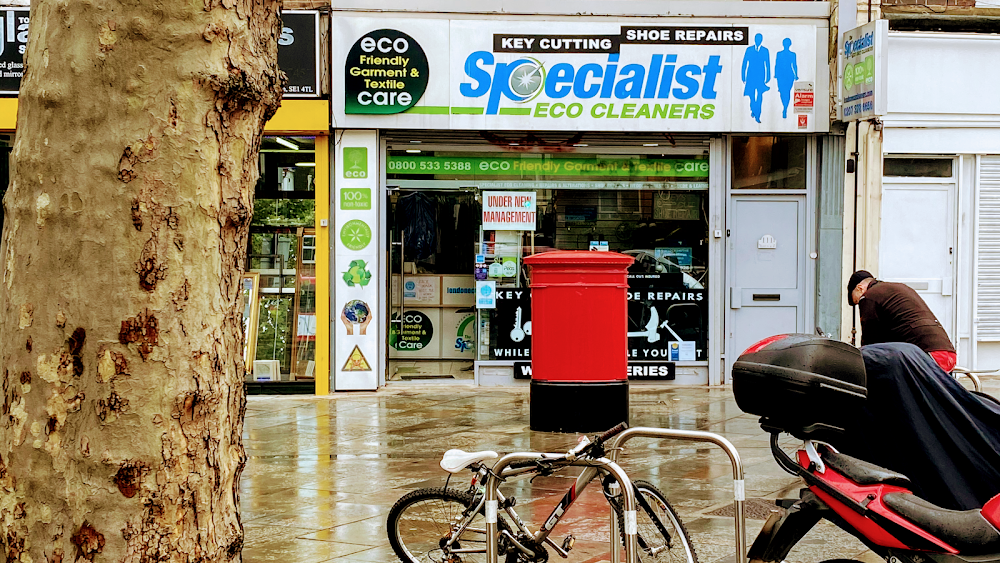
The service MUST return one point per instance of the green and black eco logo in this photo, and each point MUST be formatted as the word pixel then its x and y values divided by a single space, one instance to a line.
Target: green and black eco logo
pixel 385 73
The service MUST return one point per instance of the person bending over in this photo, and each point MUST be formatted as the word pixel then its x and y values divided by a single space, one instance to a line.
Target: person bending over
pixel 893 312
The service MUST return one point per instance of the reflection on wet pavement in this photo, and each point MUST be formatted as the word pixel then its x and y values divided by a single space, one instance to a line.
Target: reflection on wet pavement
pixel 322 472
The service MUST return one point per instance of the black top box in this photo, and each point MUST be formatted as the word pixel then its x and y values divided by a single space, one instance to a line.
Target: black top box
pixel 807 385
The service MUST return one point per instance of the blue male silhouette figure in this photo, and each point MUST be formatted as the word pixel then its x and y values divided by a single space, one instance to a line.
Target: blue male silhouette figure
pixel 786 72
pixel 756 73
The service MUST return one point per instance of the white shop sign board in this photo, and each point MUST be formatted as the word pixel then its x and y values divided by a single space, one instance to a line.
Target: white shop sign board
pixel 509 211
pixel 642 75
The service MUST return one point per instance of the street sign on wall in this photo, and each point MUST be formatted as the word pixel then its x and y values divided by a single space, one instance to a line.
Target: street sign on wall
pixel 863 70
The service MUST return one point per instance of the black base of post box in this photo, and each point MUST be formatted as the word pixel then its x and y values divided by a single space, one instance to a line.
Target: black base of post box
pixel 578 407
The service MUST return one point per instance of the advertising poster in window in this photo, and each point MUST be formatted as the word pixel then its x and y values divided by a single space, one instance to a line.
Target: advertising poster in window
pixel 510 330
pixel 667 316
pixel 298 52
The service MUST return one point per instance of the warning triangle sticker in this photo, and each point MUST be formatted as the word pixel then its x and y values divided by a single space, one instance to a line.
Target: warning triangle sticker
pixel 356 361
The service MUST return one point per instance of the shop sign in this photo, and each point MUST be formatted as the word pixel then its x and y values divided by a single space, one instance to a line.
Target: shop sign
pixel 522 166
pixel 298 52
pixel 13 41
pixel 864 67
pixel 576 75
pixel 509 211
pixel 385 73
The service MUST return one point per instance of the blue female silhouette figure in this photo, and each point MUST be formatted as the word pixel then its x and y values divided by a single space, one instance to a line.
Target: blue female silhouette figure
pixel 786 72
pixel 756 73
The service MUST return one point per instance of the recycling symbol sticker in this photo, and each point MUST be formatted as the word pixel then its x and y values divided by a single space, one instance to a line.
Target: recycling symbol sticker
pixel 357 274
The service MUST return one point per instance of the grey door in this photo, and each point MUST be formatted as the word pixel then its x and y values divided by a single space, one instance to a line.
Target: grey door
pixel 767 270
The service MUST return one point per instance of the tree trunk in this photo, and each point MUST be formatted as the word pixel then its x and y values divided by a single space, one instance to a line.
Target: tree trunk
pixel 133 171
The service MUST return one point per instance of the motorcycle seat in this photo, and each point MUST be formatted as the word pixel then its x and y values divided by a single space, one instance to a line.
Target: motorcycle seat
pixel 862 472
pixel 965 530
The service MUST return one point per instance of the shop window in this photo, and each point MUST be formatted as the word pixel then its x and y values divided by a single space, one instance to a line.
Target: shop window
pixel 917 167
pixel 650 206
pixel 769 163
pixel 282 250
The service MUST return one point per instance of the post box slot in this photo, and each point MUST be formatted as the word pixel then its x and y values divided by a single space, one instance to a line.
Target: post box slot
pixel 767 297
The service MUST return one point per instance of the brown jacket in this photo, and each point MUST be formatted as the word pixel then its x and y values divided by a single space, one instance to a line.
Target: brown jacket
pixel 892 312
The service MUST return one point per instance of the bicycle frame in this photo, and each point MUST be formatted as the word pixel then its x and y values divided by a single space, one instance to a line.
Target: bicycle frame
pixel 589 473
pixel 596 465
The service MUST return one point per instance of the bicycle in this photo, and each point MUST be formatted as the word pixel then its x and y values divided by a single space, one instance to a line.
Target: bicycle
pixel 447 525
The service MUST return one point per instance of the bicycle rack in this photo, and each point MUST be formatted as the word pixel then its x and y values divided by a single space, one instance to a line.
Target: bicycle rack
pixel 977 383
pixel 628 497
pixel 739 493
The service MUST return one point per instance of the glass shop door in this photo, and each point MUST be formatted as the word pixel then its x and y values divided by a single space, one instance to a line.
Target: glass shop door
pixel 433 236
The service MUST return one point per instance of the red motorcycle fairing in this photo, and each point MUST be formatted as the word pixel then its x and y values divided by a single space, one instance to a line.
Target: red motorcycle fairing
pixel 869 499
pixel 991 511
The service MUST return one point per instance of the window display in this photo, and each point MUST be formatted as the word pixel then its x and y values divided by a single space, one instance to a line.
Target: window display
pixel 652 207
pixel 282 252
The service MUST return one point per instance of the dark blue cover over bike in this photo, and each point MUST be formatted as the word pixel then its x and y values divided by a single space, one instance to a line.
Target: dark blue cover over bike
pixel 922 423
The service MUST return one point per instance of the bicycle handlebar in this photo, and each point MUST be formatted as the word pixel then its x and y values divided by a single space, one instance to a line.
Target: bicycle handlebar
pixel 616 430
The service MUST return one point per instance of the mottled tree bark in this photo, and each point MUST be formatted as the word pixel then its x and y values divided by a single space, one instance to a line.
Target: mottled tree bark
pixel 127 217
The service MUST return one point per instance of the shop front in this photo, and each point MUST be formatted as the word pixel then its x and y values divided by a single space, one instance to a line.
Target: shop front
pixel 463 145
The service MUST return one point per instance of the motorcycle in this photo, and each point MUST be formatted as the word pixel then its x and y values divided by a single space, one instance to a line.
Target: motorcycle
pixel 812 388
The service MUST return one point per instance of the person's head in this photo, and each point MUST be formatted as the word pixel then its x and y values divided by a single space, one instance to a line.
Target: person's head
pixel 857 285
pixel 786 42
pixel 758 39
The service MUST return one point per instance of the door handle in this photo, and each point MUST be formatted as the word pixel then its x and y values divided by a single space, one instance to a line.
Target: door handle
pixel 767 297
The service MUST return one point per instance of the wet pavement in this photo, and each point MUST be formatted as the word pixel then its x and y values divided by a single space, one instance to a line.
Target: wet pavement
pixel 323 472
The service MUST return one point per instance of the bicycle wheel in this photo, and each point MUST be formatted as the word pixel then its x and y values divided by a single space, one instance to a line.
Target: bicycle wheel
pixel 420 525
pixel 660 533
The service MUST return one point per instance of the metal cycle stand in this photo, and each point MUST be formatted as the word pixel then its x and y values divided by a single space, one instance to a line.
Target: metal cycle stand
pixel 492 482
pixel 739 491
pixel 977 384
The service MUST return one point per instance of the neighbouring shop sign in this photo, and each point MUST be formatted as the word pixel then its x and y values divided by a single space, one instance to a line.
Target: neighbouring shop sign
pixel 298 52
pixel 509 211
pixel 579 75
pixel 863 68
pixel 14 32
pixel 546 165
pixel 385 73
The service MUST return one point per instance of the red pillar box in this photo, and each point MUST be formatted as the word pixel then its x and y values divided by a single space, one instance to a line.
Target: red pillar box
pixel 579 340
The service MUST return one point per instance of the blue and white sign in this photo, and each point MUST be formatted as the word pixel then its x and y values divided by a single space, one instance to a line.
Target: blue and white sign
pixel 486 294
pixel 863 69
pixel 650 75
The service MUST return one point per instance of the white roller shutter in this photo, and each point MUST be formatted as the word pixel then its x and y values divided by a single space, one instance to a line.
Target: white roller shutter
pixel 988 309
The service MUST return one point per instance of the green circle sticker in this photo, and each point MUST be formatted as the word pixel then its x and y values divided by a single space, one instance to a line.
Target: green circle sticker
pixel 355 234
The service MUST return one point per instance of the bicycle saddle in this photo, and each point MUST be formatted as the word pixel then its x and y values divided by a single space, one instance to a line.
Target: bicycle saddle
pixel 454 461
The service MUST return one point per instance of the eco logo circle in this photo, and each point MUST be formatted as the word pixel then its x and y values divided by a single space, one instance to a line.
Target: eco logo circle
pixel 355 234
